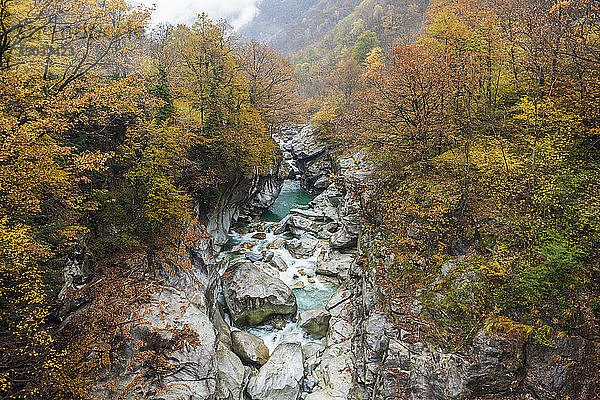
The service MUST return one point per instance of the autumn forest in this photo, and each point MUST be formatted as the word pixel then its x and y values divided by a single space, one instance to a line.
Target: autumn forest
pixel 120 140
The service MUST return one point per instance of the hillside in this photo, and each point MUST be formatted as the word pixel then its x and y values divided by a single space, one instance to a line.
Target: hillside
pixel 289 25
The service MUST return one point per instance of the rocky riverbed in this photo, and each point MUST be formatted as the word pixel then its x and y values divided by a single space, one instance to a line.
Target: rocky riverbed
pixel 285 307
pixel 281 279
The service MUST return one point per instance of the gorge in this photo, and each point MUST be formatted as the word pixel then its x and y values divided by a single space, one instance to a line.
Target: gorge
pixel 287 308
pixel 399 200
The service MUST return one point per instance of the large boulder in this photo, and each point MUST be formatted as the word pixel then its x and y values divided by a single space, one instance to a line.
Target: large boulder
pixel 281 377
pixel 253 296
pixel 278 262
pixel 232 375
pixel 305 146
pixel 302 247
pixel 315 322
pixel 334 263
pixel 249 348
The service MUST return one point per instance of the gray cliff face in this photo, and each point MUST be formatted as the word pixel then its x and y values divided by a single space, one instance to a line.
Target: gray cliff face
pixel 185 307
pixel 308 158
pixel 392 361
pixel 373 358
pixel 244 198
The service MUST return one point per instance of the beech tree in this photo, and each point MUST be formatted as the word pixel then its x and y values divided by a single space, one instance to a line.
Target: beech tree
pixel 273 89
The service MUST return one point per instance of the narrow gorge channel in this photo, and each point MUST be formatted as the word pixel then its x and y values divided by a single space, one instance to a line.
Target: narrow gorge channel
pixel 282 276
pixel 260 243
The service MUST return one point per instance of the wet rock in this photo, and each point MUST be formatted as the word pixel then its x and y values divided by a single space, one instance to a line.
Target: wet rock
pixel 321 182
pixel 242 248
pixel 253 256
pixel 268 255
pixel 259 235
pixel 278 262
pixel 282 226
pixel 281 377
pixel 276 244
pixel 315 322
pixel 253 296
pixel 278 323
pixel 249 348
pixel 302 247
pixel 231 375
pixel 298 285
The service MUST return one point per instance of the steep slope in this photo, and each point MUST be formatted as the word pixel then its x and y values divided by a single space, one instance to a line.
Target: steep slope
pixel 292 26
pixel 289 25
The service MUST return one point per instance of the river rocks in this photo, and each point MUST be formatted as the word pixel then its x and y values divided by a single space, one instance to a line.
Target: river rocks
pixel 315 322
pixel 278 262
pixel 253 256
pixel 253 296
pixel 249 348
pixel 302 247
pixel 281 377
pixel 259 235
pixel 334 263
pixel 276 244
pixel 231 374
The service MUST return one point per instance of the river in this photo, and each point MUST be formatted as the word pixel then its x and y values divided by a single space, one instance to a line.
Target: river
pixel 311 290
